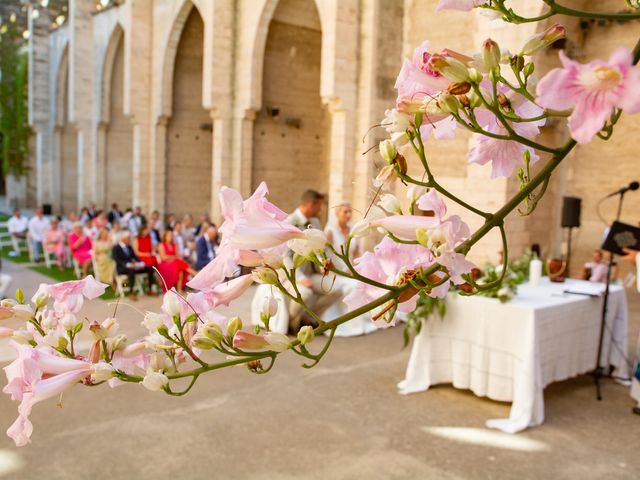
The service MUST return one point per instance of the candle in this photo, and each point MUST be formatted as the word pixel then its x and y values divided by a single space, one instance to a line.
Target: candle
pixel 535 271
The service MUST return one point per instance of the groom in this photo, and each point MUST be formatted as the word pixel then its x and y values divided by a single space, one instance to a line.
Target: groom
pixel 318 295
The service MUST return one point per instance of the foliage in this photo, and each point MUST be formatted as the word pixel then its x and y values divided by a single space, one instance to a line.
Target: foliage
pixel 14 122
pixel 426 308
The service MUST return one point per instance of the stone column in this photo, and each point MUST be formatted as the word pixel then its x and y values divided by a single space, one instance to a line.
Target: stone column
pixel 222 171
pixel 243 151
pixel 158 166
pixel 81 91
pixel 39 99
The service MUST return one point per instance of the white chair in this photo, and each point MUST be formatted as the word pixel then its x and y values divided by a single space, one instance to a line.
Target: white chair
pixel 48 258
pixel 5 236
pixel 77 270
pixel 138 284
pixel 19 244
pixel 30 249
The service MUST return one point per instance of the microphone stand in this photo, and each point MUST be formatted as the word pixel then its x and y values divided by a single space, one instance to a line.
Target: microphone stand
pixel 598 373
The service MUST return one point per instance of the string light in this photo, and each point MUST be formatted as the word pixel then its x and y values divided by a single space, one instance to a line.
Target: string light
pixel 35 13
pixel 60 20
pixel 26 34
pixel 44 3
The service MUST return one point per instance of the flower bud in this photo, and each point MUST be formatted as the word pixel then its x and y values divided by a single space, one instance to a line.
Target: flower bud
pixel 388 151
pixel 172 303
pixel 490 54
pixel 361 229
pixel 448 103
pixel 264 275
pixel 22 336
pixel 41 297
pixel 6 332
pixel 152 321
pixel 395 121
pixel 157 361
pixel 390 203
pixel 475 76
pixel 154 381
pixel 278 342
pixel 543 39
pixel 458 88
pixel 6 312
pixel 23 312
pixel 202 342
pixel 451 68
pixel 212 331
pixel 8 303
pixel 269 306
pixel 306 335
pixel 233 326
pixel 101 372
pixel 118 342
pixel 475 100
pixel 68 321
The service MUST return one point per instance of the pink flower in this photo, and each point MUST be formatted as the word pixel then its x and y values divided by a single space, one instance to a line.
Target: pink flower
pixel 221 267
pixel 20 431
pixel 25 383
pixel 405 226
pixel 249 341
pixel 68 296
pixel 255 223
pixel 431 202
pixel 593 90
pixel 506 155
pixel 225 293
pixel 417 79
pixel 463 5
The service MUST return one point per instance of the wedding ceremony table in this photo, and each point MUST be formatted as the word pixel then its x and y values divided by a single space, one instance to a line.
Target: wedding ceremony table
pixel 510 352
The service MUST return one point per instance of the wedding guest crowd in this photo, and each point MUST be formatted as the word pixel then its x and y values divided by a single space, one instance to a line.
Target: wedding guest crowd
pixel 112 243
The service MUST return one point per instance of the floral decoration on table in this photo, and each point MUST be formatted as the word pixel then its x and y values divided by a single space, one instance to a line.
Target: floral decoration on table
pixel 492 93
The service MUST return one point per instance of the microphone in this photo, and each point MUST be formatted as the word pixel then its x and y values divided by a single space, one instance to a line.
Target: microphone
pixel 623 190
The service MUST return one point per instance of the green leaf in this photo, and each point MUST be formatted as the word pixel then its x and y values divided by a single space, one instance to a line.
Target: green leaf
pixel 20 296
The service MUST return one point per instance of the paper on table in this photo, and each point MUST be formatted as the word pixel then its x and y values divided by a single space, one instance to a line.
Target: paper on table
pixel 586 288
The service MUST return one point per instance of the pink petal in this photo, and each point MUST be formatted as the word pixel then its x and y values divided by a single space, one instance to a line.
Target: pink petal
pixel 589 117
pixel 249 341
pixel 404 226
pixel 225 293
pixel 431 201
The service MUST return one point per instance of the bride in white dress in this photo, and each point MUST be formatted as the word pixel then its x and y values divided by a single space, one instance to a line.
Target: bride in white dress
pixel 337 231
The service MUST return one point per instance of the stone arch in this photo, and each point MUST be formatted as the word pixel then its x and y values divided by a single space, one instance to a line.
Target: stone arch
pixel 67 150
pixel 170 53
pixel 189 129
pixel 116 169
pixel 290 128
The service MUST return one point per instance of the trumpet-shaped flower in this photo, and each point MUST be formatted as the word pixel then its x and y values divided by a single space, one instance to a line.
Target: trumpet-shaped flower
pixel 593 90
pixel 68 296
pixel 463 5
pixel 225 293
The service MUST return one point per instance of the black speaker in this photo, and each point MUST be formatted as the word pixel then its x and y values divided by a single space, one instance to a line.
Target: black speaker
pixel 571 207
pixel 46 209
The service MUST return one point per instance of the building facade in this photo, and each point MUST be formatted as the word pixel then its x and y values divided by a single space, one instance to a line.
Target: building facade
pixel 159 103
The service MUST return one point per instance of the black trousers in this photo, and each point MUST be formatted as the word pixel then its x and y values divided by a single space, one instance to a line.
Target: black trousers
pixel 132 272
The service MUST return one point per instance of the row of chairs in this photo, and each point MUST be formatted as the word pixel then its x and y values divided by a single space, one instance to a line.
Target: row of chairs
pixel 20 245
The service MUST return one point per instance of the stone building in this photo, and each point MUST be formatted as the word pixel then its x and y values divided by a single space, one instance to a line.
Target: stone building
pixel 159 103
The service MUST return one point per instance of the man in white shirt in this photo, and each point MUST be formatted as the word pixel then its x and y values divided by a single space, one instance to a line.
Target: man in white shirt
pixel 18 227
pixel 318 295
pixel 38 225
pixel 633 257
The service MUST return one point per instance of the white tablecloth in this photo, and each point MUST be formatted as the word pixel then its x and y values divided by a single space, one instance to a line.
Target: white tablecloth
pixel 511 352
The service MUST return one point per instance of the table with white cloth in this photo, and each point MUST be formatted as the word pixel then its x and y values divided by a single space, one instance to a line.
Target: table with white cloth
pixel 511 351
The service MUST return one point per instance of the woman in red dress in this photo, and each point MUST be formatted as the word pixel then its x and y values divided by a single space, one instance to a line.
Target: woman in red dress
pixel 173 269
pixel 143 247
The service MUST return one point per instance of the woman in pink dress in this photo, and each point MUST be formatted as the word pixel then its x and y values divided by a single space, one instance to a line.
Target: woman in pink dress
pixel 173 269
pixel 54 242
pixel 80 246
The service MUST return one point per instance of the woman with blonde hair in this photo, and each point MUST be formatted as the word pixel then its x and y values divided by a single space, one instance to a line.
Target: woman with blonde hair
pixel 105 266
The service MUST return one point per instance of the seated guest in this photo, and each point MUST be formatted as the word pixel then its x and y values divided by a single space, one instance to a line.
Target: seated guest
pixel 66 224
pixel 206 247
pixel 205 221
pixel 179 240
pixel 90 229
pixel 54 242
pixel 128 263
pixel 18 227
pixel 101 221
pixel 80 246
pixel 116 231
pixel 38 225
pixel 173 269
pixel 171 222
pixel 144 249
pixel 596 269
pixel 114 214
pixel 155 227
pixel 93 211
pixel 139 218
pixel 105 266
pixel 84 215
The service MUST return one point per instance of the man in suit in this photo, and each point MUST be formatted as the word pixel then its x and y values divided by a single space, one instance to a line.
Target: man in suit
pixel 114 214
pixel 206 247
pixel 128 263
